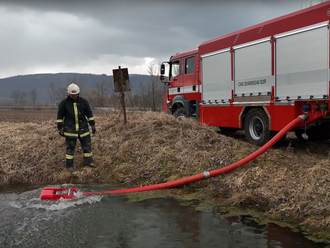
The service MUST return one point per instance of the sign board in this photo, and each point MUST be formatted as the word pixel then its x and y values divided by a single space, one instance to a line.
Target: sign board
pixel 121 79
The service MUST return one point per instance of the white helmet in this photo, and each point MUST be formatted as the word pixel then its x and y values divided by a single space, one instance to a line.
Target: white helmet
pixel 73 89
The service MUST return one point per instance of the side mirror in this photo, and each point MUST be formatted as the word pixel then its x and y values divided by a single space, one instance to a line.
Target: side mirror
pixel 162 69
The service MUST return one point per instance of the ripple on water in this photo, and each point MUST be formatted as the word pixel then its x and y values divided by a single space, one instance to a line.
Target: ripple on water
pixel 27 200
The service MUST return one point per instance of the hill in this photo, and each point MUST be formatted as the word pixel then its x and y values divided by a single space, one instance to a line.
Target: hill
pixel 41 82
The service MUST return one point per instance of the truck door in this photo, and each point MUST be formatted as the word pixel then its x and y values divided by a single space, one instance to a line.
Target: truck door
pixel 173 80
pixel 190 87
pixel 181 76
pixel 176 80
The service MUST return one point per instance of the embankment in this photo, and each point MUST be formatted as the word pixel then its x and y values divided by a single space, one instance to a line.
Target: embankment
pixel 288 183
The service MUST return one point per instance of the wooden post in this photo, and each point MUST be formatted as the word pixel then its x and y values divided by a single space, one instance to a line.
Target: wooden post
pixel 122 93
pixel 122 84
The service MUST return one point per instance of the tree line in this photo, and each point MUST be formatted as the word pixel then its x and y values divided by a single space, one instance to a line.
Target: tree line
pixel 149 94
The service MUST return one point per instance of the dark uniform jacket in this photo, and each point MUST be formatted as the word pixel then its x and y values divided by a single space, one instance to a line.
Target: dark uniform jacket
pixel 73 116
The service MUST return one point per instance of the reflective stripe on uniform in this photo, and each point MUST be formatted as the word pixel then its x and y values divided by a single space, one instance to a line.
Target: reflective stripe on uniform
pixel 85 134
pixel 59 121
pixel 87 155
pixel 71 134
pixel 91 119
pixel 76 115
pixel 69 156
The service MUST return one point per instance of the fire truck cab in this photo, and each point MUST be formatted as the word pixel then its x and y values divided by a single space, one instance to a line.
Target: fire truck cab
pixel 183 93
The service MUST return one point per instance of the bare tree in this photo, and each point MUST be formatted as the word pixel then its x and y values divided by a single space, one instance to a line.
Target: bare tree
pixel 34 97
pixel 103 90
pixel 22 98
pixel 51 93
pixel 60 92
pixel 113 98
pixel 153 84
pixel 156 90
pixel 143 102
pixel 19 97
pixel 15 95
pixel 91 96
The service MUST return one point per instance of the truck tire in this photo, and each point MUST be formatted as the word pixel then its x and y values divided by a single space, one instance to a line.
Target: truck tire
pixel 256 127
pixel 180 114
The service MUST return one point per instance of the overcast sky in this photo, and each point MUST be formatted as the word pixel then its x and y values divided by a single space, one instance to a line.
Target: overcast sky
pixel 96 36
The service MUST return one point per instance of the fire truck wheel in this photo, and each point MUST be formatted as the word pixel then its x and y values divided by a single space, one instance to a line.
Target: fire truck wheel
pixel 256 127
pixel 180 114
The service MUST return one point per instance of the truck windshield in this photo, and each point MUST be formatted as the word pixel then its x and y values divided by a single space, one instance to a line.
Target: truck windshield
pixel 174 70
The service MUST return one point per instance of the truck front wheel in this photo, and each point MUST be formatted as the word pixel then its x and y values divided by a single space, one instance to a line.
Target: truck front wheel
pixel 256 127
pixel 180 114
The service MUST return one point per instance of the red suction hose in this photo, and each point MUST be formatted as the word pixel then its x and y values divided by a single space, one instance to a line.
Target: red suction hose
pixel 213 173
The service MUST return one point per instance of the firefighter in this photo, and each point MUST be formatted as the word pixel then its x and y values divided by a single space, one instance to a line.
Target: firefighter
pixel 73 116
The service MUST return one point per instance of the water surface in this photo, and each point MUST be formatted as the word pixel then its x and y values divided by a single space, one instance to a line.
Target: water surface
pixel 110 221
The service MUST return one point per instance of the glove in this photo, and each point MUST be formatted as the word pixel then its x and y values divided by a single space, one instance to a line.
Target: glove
pixel 93 129
pixel 60 132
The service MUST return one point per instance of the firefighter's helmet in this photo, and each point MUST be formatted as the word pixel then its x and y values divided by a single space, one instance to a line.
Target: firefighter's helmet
pixel 73 89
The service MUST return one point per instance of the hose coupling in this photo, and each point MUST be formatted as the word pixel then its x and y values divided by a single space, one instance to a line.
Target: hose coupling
pixel 304 117
pixel 206 174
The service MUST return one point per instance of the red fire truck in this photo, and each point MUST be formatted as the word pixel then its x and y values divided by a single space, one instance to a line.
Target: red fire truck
pixel 257 79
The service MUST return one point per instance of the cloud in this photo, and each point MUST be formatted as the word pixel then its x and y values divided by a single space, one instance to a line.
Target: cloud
pixel 95 36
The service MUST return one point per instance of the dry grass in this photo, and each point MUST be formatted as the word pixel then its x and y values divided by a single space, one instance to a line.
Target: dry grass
pixel 288 182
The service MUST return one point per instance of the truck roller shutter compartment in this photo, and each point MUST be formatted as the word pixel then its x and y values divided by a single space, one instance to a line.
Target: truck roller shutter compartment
pixel 216 77
pixel 302 62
